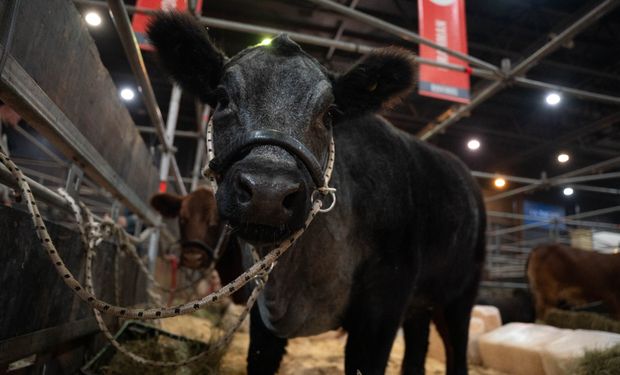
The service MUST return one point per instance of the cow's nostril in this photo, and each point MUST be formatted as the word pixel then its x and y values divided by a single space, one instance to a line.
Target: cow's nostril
pixel 244 189
pixel 290 200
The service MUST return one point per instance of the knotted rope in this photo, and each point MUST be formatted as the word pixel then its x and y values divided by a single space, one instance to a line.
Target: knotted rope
pixel 92 234
pixel 257 270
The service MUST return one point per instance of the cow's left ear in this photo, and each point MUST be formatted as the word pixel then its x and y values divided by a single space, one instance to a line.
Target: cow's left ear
pixel 187 53
pixel 377 81
pixel 167 204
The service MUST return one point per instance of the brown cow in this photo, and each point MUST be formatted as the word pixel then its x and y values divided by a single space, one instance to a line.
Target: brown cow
pixel 200 227
pixel 561 275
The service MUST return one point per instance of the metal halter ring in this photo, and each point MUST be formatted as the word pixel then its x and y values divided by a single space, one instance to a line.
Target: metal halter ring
pixel 261 277
pixel 325 191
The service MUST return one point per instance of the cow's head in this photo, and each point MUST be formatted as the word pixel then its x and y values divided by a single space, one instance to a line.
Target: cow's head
pixel 199 223
pixel 266 190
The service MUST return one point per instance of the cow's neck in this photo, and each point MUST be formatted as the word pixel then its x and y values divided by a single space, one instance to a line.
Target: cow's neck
pixel 308 290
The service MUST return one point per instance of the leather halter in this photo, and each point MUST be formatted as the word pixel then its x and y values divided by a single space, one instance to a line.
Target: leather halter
pixel 241 146
pixel 199 244
pixel 214 253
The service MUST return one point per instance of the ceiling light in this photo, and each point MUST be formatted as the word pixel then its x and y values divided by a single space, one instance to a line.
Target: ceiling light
pixel 473 144
pixel 563 158
pixel 499 182
pixel 568 191
pixel 553 98
pixel 93 18
pixel 265 42
pixel 127 94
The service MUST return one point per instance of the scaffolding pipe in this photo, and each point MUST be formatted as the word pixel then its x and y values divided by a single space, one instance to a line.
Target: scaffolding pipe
pixel 530 61
pixel 566 181
pixel 171 124
pixel 596 189
pixel 526 82
pixel 560 179
pixel 593 177
pixel 359 48
pixel 130 44
pixel 519 228
pixel 581 223
pixel 47 195
pixel 299 37
pixel 177 133
pixel 401 32
pixel 339 32
pixel 200 148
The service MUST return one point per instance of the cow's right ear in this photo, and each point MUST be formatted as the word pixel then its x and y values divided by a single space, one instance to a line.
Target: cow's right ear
pixel 377 81
pixel 167 204
pixel 187 53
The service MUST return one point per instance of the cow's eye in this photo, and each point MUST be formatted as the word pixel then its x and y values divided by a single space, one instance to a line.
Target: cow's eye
pixel 330 114
pixel 221 97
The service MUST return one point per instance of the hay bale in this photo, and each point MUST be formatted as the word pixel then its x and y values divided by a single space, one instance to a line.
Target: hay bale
pixel 599 362
pixel 161 348
pixel 581 320
pixel 559 356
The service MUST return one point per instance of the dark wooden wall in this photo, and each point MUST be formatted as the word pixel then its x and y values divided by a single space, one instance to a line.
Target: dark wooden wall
pixel 38 313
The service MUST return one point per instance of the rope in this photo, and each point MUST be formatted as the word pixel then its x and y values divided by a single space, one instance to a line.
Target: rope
pixel 255 271
pixel 90 238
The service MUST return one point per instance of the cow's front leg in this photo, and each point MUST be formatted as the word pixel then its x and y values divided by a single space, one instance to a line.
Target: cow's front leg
pixel 266 349
pixel 372 322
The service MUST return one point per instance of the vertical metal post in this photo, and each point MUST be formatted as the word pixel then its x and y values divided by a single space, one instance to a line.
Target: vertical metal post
pixel 153 249
pixel 200 147
pixel 171 124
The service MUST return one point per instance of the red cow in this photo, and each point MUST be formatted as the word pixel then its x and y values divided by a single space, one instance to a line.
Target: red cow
pixel 561 275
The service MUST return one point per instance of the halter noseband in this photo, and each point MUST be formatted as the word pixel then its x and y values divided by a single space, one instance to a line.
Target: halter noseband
pixel 198 244
pixel 241 146
pixel 244 143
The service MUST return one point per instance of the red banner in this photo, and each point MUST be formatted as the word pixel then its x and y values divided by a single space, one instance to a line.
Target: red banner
pixel 443 21
pixel 140 20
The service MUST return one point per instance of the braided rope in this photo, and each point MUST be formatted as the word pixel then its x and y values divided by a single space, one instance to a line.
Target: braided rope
pixel 89 232
pixel 255 271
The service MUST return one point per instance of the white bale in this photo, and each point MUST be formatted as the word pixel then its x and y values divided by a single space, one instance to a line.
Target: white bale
pixel 489 314
pixel 515 348
pixel 485 318
pixel 477 327
pixel 560 355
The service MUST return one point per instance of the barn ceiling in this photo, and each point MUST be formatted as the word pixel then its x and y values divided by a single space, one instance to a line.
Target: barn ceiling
pixel 520 134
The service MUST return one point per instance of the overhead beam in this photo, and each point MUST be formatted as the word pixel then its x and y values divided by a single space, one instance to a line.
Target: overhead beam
pixel 356 48
pixel 454 115
pixel 567 181
pixel 401 32
pixel 604 165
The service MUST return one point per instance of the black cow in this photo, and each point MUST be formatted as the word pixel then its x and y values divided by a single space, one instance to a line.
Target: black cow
pixel 405 242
